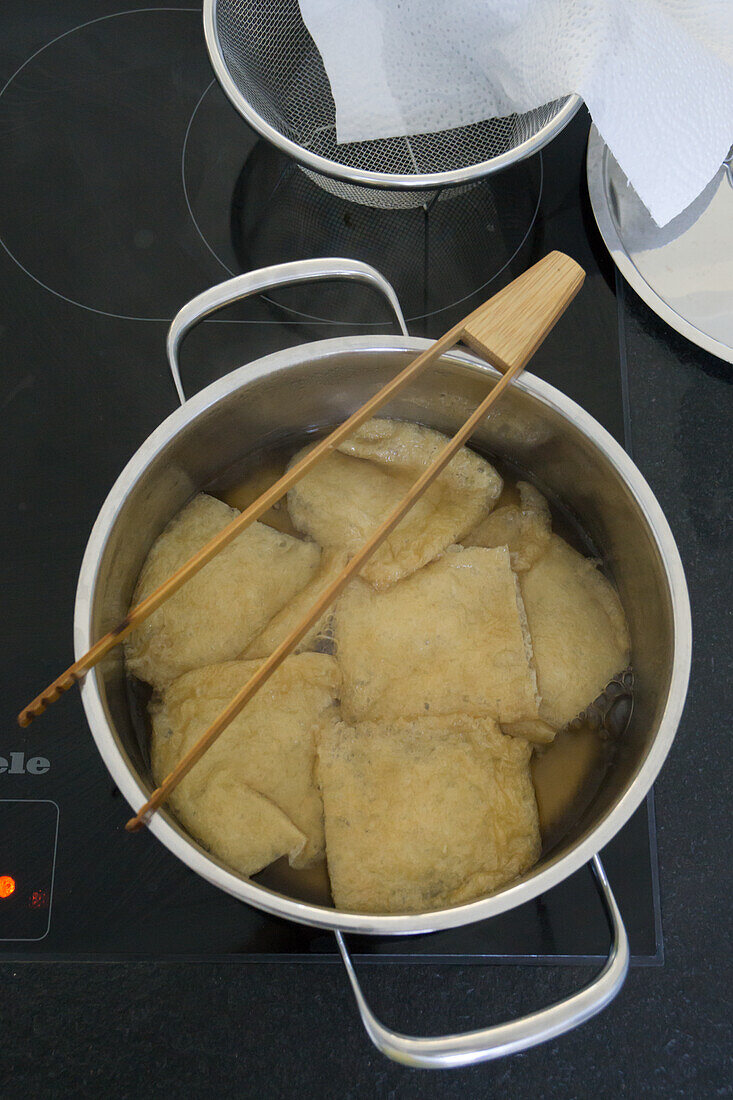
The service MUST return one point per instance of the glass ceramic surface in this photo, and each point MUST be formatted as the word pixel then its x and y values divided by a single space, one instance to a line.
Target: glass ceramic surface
pixel 113 216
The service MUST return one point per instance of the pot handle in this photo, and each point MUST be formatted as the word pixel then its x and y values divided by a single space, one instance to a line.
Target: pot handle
pixel 252 282
pixel 443 1052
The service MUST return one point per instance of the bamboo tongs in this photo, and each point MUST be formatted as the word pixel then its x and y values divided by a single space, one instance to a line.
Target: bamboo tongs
pixel 506 331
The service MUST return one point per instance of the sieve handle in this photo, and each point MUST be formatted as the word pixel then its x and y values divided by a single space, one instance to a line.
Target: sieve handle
pixel 253 282
pixel 470 1047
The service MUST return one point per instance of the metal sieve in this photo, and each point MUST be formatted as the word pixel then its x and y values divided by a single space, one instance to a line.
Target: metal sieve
pixel 269 66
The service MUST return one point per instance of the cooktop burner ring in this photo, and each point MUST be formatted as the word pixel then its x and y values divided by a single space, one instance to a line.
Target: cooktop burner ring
pixel 215 132
pixel 129 208
pixel 29 211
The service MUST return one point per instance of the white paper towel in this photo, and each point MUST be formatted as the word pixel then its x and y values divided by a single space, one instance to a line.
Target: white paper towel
pixel 656 75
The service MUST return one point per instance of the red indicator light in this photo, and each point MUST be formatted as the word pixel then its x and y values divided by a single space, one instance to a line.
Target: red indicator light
pixel 7 886
pixel 39 899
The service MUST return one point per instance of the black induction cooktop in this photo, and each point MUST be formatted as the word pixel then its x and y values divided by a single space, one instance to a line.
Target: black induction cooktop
pixel 129 184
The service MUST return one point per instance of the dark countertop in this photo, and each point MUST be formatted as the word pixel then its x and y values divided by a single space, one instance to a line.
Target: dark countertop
pixel 281 1029
pixel 162 1029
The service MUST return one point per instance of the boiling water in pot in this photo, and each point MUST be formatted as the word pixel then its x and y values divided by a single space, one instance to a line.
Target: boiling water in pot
pixel 566 774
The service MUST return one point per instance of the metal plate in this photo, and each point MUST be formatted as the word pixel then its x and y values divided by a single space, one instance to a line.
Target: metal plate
pixel 684 271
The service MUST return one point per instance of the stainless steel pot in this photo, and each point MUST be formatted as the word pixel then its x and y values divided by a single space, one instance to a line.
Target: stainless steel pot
pixel 535 427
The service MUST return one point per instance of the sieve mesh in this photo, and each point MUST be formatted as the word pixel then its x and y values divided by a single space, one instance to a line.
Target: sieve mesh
pixel 272 71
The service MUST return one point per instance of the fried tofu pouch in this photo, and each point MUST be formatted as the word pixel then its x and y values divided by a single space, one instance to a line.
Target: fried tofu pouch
pixel 277 630
pixel 345 497
pixel 449 639
pixel 243 828
pixel 217 613
pixel 424 814
pixel 579 633
pixel 268 749
pixel 524 528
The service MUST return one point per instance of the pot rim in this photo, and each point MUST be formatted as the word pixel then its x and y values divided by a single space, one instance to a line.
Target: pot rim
pixel 187 850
